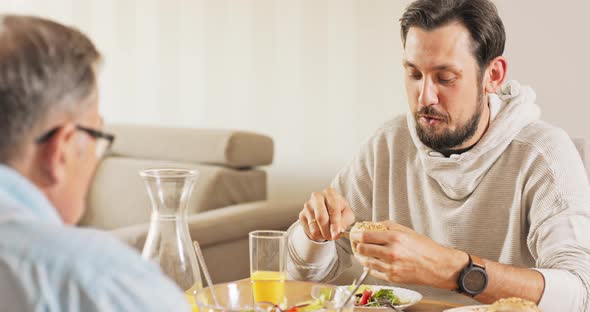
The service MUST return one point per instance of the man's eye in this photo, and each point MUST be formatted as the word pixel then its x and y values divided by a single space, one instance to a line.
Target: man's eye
pixel 446 80
pixel 416 76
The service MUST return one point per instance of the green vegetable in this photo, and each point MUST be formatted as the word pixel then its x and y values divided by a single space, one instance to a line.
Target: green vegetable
pixel 313 305
pixel 383 294
pixel 325 294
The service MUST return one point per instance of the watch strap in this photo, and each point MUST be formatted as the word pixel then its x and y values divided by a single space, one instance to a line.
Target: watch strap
pixel 477 261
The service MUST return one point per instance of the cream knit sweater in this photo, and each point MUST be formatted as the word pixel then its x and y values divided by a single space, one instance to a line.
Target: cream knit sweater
pixel 520 196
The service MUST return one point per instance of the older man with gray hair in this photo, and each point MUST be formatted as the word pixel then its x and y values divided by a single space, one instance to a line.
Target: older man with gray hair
pixel 50 144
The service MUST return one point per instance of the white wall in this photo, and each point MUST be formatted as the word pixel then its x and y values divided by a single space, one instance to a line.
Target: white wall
pixel 318 76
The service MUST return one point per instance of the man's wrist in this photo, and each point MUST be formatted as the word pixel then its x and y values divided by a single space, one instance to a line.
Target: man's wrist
pixel 308 249
pixel 457 260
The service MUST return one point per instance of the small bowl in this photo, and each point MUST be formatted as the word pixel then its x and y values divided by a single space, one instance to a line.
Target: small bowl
pixel 334 297
pixel 233 297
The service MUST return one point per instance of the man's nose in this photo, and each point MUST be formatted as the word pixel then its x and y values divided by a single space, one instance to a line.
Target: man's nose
pixel 428 94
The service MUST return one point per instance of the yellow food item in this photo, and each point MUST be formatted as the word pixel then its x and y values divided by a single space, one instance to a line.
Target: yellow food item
pixel 511 305
pixel 514 304
pixel 366 226
pixel 268 286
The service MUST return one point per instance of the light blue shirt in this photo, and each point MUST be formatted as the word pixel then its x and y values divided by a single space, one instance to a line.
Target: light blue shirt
pixel 46 265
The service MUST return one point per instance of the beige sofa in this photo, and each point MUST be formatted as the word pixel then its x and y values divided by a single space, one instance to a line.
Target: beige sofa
pixel 229 200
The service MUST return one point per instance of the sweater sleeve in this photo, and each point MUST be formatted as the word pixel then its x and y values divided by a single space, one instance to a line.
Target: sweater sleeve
pixel 558 197
pixel 324 261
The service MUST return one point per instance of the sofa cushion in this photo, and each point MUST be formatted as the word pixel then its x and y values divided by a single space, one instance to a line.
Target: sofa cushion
pixel 118 196
pixel 236 149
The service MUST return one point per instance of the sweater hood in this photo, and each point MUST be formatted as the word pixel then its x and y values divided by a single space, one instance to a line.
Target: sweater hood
pixel 511 109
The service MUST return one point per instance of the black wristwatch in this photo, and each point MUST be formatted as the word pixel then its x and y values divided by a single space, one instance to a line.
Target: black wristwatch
pixel 473 280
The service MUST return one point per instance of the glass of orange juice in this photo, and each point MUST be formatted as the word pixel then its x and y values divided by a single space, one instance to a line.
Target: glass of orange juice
pixel 268 263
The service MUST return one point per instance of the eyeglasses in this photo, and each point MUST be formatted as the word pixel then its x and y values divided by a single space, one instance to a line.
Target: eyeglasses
pixel 104 140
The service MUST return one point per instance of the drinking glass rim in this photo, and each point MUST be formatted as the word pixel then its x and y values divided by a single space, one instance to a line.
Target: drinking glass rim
pixel 270 234
pixel 169 173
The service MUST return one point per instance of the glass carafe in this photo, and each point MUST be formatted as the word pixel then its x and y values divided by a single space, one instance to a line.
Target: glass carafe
pixel 168 242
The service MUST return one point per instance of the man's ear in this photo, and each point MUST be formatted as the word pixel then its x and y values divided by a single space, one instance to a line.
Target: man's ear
pixel 496 74
pixel 55 154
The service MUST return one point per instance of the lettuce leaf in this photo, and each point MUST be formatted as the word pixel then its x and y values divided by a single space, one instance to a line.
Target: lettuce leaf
pixel 383 294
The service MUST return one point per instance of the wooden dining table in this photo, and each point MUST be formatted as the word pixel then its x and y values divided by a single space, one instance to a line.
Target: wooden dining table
pixel 300 291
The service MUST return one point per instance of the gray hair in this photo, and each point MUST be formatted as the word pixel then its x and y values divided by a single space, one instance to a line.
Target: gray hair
pixel 46 69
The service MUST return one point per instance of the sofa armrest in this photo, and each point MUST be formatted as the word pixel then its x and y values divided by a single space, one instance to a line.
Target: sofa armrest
pixel 225 224
pixel 231 148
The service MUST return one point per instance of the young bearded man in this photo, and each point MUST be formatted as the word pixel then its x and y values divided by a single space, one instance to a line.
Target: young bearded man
pixel 50 144
pixel 481 198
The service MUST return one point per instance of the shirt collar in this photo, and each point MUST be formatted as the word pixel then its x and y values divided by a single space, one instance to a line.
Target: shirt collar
pixel 19 198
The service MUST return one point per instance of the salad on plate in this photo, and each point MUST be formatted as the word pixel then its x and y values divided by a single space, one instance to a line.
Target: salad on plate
pixel 369 296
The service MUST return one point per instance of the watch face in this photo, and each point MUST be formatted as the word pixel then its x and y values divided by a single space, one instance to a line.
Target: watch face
pixel 475 280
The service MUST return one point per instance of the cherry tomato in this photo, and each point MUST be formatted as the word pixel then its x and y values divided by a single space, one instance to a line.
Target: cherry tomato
pixel 366 296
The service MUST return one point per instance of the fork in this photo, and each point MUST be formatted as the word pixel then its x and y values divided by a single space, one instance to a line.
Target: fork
pixel 386 302
pixel 362 278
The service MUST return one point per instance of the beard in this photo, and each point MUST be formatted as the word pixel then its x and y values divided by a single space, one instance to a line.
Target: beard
pixel 448 139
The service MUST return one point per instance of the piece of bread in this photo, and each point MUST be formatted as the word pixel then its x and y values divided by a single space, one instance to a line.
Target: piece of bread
pixel 365 226
pixel 513 305
pixel 368 226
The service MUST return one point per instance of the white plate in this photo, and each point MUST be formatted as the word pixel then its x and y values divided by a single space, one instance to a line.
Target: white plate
pixel 471 308
pixel 408 296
